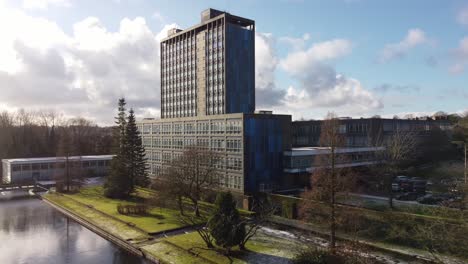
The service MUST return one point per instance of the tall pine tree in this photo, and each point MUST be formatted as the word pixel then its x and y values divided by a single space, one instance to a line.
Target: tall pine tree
pixel 118 184
pixel 137 168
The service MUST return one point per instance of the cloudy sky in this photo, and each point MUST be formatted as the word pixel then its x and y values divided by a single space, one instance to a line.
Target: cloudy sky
pixel 354 57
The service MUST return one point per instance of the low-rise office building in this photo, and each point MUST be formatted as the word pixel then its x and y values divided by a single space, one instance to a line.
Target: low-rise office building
pixel 299 163
pixel 250 146
pixel 53 168
pixel 362 132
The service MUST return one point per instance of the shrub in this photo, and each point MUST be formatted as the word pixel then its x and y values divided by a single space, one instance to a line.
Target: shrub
pixel 139 209
pixel 317 256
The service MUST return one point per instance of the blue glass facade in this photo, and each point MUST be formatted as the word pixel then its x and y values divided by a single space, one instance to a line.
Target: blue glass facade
pixel 265 139
pixel 240 69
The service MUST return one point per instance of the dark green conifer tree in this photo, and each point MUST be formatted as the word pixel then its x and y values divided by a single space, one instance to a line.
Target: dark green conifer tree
pixel 137 166
pixel 225 224
pixel 118 183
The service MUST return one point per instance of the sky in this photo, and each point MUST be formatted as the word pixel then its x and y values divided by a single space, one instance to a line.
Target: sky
pixel 357 58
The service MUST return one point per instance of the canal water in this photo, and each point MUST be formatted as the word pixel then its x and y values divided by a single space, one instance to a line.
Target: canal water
pixel 33 232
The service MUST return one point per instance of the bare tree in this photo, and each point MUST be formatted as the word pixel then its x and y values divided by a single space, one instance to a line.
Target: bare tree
pixel 328 178
pixel 262 209
pixel 171 186
pixel 194 172
pixel 399 149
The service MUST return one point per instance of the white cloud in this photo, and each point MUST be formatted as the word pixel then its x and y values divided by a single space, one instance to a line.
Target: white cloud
pixel 462 16
pixel 460 55
pixel 266 62
pixel 299 62
pixel 82 73
pixel 45 4
pixel 413 38
pixel 296 43
pixel 320 87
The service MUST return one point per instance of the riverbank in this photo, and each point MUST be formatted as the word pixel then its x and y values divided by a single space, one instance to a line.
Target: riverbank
pixel 172 243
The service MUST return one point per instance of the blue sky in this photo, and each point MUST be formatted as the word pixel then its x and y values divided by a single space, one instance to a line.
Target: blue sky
pixel 354 57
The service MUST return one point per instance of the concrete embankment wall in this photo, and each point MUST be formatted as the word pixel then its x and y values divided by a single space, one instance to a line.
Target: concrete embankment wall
pixel 101 232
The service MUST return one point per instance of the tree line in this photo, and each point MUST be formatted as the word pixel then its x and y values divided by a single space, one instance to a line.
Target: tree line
pixel 47 133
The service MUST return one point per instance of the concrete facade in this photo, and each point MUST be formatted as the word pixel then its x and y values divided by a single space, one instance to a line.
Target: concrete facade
pixel 209 69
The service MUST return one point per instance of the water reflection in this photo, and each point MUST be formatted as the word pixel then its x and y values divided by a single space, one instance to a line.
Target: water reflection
pixel 33 232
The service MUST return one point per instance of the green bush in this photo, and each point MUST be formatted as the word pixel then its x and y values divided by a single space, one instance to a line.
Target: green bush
pixel 317 256
pixel 139 209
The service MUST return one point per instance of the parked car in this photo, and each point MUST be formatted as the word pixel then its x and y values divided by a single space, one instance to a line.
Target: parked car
pixel 403 183
pixel 401 178
pixel 408 196
pixel 395 187
pixel 430 199
pixel 418 184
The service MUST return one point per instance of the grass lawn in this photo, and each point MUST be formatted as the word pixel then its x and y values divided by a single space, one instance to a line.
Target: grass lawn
pixel 169 253
pixel 157 220
pixel 112 226
pixel 260 249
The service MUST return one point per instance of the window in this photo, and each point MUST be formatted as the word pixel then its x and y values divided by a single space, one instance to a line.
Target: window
pixel 156 156
pixel 203 143
pixel 147 142
pixel 233 145
pixel 233 127
pixel 44 166
pixel 220 163
pixel 166 143
pixel 166 156
pixel 203 128
pixel 189 128
pixel 188 142
pixel 146 129
pixel 234 163
pixel 217 144
pixel 166 128
pixel 156 129
pixel 217 127
pixel 177 143
pixel 178 128
pixel 16 167
pixel 342 129
pixel 156 142
pixel 26 167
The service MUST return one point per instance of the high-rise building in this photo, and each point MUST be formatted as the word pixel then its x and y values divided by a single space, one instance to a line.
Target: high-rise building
pixel 209 69
pixel 208 101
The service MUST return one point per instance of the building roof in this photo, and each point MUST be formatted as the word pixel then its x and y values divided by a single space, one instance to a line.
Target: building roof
pixel 309 151
pixel 242 21
pixel 57 159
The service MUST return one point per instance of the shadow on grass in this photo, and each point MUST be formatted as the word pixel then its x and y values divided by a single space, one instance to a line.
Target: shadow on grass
pixel 245 255
pixel 256 257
